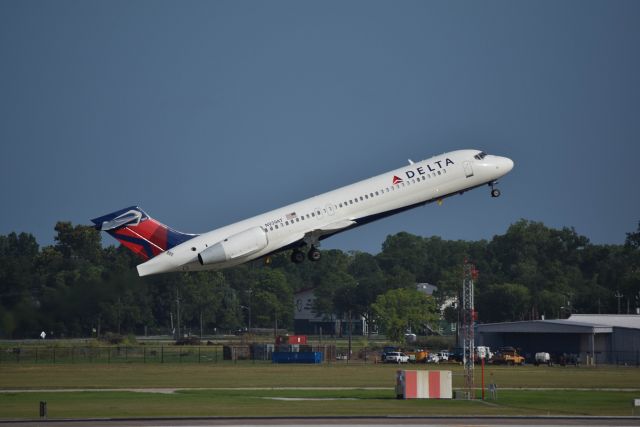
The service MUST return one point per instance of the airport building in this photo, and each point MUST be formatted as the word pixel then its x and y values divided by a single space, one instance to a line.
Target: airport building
pixel 307 322
pixel 592 338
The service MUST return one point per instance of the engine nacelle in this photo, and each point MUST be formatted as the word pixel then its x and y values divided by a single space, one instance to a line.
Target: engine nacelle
pixel 240 244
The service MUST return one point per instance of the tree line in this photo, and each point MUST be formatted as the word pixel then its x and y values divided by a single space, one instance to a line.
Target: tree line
pixel 77 287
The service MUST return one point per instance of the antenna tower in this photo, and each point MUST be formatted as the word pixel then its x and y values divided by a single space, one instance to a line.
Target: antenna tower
pixel 468 318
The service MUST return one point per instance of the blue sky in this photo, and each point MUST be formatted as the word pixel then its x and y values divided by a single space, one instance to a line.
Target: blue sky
pixel 207 112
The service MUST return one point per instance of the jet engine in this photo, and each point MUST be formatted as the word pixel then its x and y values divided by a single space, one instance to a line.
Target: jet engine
pixel 237 245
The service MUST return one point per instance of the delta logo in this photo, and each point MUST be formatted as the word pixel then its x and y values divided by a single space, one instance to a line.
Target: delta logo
pixel 424 170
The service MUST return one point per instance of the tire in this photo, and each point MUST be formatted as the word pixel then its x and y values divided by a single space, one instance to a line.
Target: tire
pixel 297 256
pixel 314 255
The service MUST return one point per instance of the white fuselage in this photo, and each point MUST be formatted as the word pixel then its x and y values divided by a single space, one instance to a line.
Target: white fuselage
pixel 329 213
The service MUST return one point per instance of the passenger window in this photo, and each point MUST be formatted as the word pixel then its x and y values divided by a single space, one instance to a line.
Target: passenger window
pixel 376 193
pixel 313 214
pixel 276 226
pixel 438 172
pixel 270 228
pixel 366 196
pixel 286 223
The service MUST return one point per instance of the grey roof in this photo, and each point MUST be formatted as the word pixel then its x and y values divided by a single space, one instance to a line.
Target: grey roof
pixel 617 320
pixel 559 326
pixel 426 288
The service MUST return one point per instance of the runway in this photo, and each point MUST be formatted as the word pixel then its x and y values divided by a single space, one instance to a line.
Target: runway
pixel 336 422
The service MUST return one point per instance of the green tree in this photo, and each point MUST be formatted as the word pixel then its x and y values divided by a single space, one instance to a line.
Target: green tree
pixel 503 302
pixel 400 309
pixel 202 294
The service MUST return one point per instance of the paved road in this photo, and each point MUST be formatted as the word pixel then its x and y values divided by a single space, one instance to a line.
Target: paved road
pixel 340 422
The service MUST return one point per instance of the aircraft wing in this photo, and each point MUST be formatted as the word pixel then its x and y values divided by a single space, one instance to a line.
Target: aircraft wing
pixel 312 237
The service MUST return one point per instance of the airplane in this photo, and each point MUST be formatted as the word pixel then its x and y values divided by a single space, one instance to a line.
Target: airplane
pixel 302 225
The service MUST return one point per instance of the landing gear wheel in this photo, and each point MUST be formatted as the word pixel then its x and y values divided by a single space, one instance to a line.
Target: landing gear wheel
pixel 495 192
pixel 297 256
pixel 314 254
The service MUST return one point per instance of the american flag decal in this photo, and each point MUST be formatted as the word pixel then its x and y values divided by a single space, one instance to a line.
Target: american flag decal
pixel 291 216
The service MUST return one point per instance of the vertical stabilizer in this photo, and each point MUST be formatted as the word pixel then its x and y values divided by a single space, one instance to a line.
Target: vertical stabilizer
pixel 136 230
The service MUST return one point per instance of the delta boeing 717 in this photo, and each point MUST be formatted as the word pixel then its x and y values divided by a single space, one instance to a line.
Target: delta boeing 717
pixel 301 226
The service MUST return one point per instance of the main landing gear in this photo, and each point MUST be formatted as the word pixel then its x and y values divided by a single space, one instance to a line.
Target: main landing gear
pixel 313 254
pixel 297 256
pixel 494 191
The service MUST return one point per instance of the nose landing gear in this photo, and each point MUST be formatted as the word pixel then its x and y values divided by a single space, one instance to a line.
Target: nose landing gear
pixel 494 191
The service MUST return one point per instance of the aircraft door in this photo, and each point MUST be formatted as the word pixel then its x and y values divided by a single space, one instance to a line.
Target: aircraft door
pixel 331 209
pixel 468 170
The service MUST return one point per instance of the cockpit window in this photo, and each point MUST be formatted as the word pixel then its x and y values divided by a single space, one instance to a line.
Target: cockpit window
pixel 481 155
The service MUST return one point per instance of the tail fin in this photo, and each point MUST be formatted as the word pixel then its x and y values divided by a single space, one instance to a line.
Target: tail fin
pixel 139 232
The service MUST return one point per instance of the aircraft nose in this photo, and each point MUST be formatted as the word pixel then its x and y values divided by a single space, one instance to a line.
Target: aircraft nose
pixel 507 164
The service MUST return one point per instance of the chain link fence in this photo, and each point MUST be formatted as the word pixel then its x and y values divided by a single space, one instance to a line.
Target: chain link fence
pixel 217 353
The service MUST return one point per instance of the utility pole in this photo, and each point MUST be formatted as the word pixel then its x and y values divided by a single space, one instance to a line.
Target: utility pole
pixel 349 356
pixel 619 296
pixel 178 312
pixel 275 325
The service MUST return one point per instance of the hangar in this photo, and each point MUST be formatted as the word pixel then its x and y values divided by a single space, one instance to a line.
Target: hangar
pixel 594 338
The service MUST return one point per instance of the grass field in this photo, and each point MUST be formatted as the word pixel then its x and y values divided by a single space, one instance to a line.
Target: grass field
pixel 603 398
pixel 270 375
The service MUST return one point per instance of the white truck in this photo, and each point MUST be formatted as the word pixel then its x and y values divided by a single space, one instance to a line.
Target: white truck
pixel 396 357
pixel 542 358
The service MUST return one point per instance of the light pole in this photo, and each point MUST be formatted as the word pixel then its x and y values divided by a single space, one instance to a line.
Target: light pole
pixel 249 291
pixel 248 308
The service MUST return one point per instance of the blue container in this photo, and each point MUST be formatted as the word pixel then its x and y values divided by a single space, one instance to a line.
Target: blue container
pixel 295 357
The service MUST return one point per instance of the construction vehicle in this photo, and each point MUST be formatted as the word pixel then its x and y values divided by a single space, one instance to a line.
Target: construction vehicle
pixel 508 356
pixel 417 356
